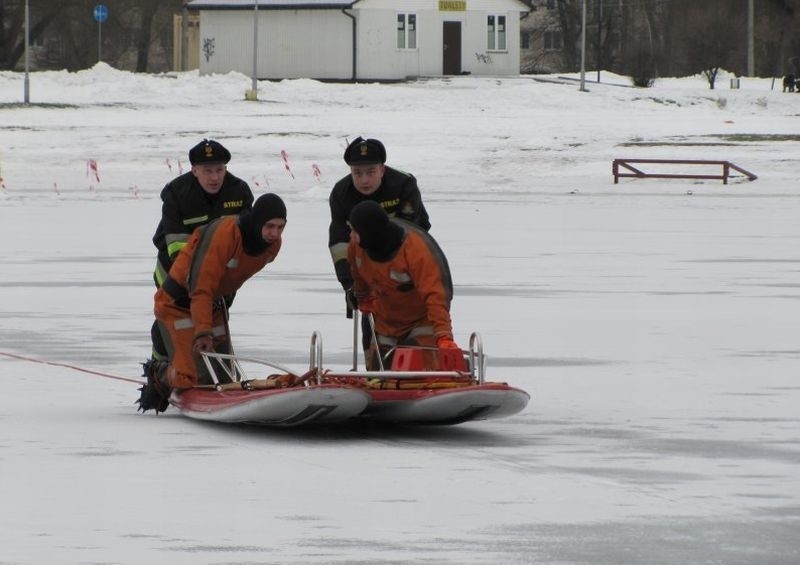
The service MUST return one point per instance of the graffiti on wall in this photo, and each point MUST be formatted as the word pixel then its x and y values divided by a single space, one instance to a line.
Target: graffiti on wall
pixel 208 48
pixel 484 58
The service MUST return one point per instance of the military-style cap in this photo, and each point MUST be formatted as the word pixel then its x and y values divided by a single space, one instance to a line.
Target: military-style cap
pixel 365 152
pixel 208 151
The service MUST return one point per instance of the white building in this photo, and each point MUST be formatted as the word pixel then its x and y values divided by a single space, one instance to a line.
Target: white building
pixel 360 39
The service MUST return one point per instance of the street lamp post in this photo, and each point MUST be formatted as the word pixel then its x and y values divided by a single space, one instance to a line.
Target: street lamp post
pixel 583 47
pixel 184 62
pixel 751 58
pixel 27 84
pixel 598 57
pixel 255 51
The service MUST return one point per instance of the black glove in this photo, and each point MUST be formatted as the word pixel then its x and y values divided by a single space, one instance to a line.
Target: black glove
pixel 351 301
pixel 350 298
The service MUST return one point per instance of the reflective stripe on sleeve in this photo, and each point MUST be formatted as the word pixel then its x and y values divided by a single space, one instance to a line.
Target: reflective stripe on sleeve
pixel 195 221
pixel 338 251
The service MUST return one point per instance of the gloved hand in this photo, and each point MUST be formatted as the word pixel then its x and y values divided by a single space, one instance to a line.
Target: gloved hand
pixel 367 305
pixel 203 343
pixel 446 343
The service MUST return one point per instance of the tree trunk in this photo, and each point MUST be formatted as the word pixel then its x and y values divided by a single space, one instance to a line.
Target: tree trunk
pixel 145 34
pixel 14 49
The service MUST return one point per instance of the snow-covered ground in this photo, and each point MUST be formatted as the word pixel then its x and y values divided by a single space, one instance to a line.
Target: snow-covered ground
pixel 654 322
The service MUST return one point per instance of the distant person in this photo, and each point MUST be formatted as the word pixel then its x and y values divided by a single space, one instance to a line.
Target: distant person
pixel 370 179
pixel 215 263
pixel 401 276
pixel 789 83
pixel 194 199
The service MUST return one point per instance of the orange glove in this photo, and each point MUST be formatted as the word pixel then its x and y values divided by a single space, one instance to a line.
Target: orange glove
pixel 446 343
pixel 203 342
pixel 367 305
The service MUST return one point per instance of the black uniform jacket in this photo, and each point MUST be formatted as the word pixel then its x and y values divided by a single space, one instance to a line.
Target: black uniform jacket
pixel 186 206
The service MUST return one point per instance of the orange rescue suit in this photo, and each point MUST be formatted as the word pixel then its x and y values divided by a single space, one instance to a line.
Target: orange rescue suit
pixel 212 265
pixel 412 288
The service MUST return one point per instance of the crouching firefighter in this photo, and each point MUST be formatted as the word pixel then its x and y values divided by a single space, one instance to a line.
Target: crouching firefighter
pixel 189 305
pixel 402 278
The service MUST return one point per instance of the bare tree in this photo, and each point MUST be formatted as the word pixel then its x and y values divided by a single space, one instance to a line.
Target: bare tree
pixel 12 26
pixel 147 10
pixel 778 28
pixel 605 18
pixel 531 61
pixel 705 36
pixel 569 18
pixel 134 31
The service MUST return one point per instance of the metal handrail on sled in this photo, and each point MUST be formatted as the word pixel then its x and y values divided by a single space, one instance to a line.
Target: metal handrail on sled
pixel 477 360
pixel 476 365
pixel 315 356
pixel 475 355
pixel 231 366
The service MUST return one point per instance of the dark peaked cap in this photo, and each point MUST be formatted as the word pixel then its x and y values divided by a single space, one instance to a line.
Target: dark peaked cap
pixel 208 151
pixel 365 152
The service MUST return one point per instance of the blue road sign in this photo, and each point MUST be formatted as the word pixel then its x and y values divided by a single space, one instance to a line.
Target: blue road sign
pixel 100 13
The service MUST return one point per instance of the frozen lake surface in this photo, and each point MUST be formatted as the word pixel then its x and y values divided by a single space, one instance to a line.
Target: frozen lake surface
pixel 653 322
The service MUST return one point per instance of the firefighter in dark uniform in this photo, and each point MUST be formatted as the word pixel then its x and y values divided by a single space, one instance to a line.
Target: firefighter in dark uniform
pixel 192 200
pixel 369 179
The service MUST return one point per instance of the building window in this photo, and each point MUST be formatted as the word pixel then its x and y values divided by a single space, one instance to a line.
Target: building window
pixel 406 31
pixel 553 41
pixel 496 28
pixel 525 40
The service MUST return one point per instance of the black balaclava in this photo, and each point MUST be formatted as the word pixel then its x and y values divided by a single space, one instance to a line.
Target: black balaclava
pixel 267 207
pixel 378 235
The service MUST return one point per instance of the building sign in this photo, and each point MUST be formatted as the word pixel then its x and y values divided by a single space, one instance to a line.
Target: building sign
pixel 452 5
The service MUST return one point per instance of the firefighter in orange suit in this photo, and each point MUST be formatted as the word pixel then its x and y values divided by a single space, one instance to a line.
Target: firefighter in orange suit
pixel 402 277
pixel 189 305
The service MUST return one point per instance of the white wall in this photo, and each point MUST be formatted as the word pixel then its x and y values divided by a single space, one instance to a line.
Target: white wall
pixel 476 58
pixel 292 43
pixel 376 49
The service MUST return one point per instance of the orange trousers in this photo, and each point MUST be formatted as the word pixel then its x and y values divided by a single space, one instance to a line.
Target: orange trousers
pixel 186 369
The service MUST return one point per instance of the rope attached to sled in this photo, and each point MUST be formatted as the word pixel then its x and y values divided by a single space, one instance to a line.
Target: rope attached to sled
pixel 73 367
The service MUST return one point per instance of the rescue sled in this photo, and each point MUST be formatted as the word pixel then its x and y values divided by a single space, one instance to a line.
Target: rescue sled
pixel 406 393
pixel 457 392
pixel 284 399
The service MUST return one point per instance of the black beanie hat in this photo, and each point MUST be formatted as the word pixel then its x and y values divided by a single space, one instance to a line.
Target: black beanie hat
pixel 365 152
pixel 377 234
pixel 267 207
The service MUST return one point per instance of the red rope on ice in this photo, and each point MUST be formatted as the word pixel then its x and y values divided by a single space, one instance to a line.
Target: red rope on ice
pixel 68 366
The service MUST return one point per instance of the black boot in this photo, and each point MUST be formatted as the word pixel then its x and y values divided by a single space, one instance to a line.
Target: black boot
pixel 155 392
